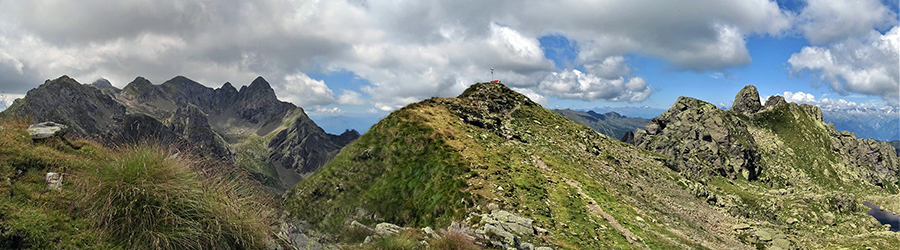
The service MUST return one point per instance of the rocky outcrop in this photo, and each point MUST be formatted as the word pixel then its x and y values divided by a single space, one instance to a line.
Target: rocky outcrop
pixel 874 160
pixel 305 147
pixel 504 229
pixel 747 101
pixel 700 139
pixel 628 138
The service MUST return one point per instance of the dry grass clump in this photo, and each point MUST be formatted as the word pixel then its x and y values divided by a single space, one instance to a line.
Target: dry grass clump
pixel 149 199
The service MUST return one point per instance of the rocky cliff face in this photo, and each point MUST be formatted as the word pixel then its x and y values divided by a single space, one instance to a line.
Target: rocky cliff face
pixel 191 124
pixel 305 147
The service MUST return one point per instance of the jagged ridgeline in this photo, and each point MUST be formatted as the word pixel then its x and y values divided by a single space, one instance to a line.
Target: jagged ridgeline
pixel 227 124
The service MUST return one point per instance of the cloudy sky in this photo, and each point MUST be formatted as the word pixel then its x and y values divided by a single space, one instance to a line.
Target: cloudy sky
pixel 355 57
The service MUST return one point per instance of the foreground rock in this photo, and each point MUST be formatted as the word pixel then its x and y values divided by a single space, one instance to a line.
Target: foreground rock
pixel 45 130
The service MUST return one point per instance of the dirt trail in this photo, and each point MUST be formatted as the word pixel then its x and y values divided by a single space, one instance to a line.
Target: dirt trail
pixel 595 209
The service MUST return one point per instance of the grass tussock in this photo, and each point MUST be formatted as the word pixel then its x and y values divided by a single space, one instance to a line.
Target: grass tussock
pixel 131 197
pixel 453 240
pixel 148 199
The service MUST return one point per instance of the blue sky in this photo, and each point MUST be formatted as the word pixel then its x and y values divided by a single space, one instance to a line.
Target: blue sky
pixel 366 58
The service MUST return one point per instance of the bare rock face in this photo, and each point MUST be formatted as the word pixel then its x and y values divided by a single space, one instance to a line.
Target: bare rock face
pixel 747 101
pixel 191 124
pixel 86 110
pixel 700 139
pixel 305 147
pixel 873 159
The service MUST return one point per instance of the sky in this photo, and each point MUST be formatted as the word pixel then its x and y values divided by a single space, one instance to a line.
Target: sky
pixel 362 58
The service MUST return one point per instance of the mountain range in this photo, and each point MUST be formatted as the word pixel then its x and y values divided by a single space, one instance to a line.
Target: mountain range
pixel 192 117
pixel 772 176
pixel 488 169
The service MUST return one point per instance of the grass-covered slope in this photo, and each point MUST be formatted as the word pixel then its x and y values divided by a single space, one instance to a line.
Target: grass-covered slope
pixel 443 159
pixel 136 197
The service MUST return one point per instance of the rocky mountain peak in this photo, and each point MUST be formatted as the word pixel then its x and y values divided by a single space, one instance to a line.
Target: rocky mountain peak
pixel 747 101
pixel 259 88
pixel 102 83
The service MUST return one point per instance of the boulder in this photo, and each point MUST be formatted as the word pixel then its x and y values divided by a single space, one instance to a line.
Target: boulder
pixel 747 101
pixel 628 138
pixel 386 229
pixel 54 181
pixel 45 130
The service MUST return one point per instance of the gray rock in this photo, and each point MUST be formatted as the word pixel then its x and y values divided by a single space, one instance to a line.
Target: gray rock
pixel 54 181
pixel 543 248
pixel 386 229
pixel 775 100
pixel 526 246
pixel 747 101
pixel 430 233
pixel 45 130
pixel 513 223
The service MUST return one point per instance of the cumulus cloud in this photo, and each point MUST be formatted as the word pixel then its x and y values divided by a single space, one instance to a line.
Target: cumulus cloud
pixel 822 21
pixel 867 65
pixel 350 97
pixel 302 90
pixel 574 84
pixel 824 103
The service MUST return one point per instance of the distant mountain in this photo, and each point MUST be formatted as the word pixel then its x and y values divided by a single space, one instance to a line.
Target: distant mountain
pixel 186 114
pixel 642 112
pixel 879 124
pixel 611 124
pixel 339 123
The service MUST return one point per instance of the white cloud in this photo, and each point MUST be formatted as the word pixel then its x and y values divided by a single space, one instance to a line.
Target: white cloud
pixel 534 96
pixel 326 111
pixel 825 103
pixel 7 99
pixel 868 65
pixel 574 84
pixel 301 90
pixel 350 97
pixel 822 21
pixel 610 67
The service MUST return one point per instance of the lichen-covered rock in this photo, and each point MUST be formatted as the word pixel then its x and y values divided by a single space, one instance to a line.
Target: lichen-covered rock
pixel 747 101
pixel 45 130
pixel 386 229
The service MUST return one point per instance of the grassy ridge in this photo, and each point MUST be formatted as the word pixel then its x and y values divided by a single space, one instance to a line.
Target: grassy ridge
pixel 401 170
pixel 136 197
